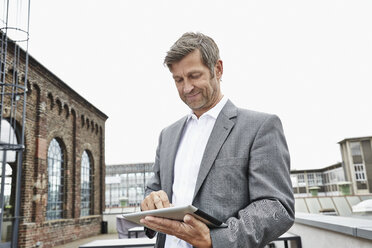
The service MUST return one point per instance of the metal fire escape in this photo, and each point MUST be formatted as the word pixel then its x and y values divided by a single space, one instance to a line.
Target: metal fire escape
pixel 14 36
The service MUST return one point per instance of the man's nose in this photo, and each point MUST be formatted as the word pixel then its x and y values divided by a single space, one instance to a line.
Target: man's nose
pixel 187 87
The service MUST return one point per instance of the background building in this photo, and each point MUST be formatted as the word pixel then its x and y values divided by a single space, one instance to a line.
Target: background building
pixel 354 173
pixel 357 157
pixel 63 170
pixel 325 180
pixel 125 183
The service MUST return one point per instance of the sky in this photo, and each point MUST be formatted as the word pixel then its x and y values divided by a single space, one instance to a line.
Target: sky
pixel 309 62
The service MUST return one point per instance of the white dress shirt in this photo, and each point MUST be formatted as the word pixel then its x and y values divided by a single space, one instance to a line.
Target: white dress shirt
pixel 189 155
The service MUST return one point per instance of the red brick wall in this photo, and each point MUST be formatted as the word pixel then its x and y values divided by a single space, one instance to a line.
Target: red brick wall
pixel 54 110
pixel 52 233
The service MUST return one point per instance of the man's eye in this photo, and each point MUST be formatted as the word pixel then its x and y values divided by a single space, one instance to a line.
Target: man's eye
pixel 178 80
pixel 194 76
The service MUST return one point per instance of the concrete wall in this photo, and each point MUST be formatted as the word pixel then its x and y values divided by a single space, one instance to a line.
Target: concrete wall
pixel 321 238
pixel 317 230
pixel 111 222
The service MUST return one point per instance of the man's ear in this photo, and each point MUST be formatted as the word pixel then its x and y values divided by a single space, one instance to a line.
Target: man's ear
pixel 218 68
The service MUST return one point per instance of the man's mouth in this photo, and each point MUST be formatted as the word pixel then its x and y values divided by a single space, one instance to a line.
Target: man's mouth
pixel 193 95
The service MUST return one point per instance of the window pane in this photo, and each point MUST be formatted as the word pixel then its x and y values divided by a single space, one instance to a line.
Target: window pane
pixel 8 136
pixel 55 181
pixel 355 148
pixel 310 179
pixel 359 172
pixel 85 206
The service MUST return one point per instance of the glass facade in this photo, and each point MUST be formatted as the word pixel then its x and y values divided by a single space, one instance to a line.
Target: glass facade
pixel 125 184
pixel 326 180
pixel 310 179
pixel 319 178
pixel 301 180
pixel 112 194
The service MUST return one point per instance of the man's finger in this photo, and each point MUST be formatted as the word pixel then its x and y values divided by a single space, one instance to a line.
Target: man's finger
pixel 161 222
pixel 157 201
pixel 164 199
pixel 144 206
pixel 148 203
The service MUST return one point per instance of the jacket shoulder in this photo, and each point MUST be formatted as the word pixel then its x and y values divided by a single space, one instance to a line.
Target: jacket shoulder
pixel 232 111
pixel 255 116
pixel 175 126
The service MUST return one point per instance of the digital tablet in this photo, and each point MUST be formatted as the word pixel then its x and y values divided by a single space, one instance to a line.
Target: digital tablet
pixel 176 213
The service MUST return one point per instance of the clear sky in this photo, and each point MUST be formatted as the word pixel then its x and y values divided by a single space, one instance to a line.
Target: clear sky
pixel 309 62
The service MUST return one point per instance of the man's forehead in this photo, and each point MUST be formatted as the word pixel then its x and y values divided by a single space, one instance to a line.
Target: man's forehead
pixel 190 63
pixel 186 72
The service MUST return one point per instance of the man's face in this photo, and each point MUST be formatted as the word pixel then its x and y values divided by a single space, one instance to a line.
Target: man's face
pixel 195 85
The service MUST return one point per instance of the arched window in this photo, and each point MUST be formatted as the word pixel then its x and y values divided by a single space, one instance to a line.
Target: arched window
pixel 55 181
pixel 8 137
pixel 8 172
pixel 86 185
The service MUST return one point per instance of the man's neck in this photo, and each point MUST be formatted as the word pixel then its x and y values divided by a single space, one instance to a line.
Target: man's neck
pixel 201 112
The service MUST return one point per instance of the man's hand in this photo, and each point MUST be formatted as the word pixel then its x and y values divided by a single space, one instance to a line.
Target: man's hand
pixel 191 230
pixel 155 200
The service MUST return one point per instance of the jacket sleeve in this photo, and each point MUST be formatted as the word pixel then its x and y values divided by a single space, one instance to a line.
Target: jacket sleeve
pixel 270 212
pixel 154 184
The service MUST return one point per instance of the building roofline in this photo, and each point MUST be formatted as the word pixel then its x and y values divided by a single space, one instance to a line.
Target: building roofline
pixel 32 60
pixel 334 166
pixel 129 164
pixel 66 87
pixel 354 139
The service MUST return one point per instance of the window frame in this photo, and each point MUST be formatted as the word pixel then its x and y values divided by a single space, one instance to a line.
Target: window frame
pixel 311 179
pixel 360 172
pixel 56 180
pixel 86 172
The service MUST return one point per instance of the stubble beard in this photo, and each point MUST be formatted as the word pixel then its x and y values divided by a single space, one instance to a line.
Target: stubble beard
pixel 206 101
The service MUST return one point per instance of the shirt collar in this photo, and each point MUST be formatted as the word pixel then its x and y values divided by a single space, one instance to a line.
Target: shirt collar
pixel 213 112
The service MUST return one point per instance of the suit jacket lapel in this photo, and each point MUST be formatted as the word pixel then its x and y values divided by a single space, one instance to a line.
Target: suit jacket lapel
pixel 220 132
pixel 172 147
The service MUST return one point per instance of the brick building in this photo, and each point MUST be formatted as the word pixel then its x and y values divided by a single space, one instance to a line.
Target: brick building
pixel 63 170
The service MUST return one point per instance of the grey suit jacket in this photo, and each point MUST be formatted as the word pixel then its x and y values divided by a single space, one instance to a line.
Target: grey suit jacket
pixel 243 180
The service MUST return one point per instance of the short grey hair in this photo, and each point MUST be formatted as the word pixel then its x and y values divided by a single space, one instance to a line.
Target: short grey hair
pixel 190 42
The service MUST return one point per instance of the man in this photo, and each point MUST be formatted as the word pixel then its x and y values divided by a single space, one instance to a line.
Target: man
pixel 229 162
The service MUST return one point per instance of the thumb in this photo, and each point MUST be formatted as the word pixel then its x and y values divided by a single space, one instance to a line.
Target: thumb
pixel 190 220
